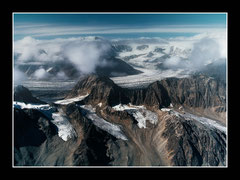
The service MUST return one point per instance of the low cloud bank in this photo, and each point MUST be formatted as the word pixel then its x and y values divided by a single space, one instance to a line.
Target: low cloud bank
pixel 84 53
pixel 18 76
pixel 41 74
pixel 203 50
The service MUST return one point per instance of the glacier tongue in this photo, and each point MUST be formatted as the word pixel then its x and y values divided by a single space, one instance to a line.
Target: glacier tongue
pixel 65 129
pixel 70 100
pixel 147 77
pixel 206 121
pixel 112 129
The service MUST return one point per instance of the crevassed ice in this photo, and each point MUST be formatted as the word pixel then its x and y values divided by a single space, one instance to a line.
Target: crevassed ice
pixel 206 121
pixel 140 113
pixel 65 129
pixel 147 77
pixel 140 118
pixel 70 100
pixel 111 128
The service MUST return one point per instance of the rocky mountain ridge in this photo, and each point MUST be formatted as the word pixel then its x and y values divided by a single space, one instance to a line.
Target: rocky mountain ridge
pixel 196 92
pixel 22 94
pixel 172 140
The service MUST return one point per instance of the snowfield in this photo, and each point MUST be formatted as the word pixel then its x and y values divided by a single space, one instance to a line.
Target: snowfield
pixel 206 121
pixel 71 100
pixel 148 57
pixel 47 85
pixel 65 129
pixel 111 128
pixel 43 108
pixel 140 113
pixel 22 105
pixel 147 77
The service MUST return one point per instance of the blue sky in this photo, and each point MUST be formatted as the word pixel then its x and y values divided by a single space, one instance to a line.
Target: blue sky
pixel 120 25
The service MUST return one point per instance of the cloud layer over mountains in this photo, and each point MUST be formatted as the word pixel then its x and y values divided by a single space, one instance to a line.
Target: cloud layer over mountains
pixel 86 53
pixel 203 51
pixel 82 52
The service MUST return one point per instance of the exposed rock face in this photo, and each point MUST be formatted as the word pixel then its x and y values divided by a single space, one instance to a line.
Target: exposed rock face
pixel 37 143
pixel 116 67
pixel 171 141
pixel 22 94
pixel 199 93
pixel 155 95
pixel 195 93
pixel 31 131
pixel 192 144
pixel 100 89
pixel 216 69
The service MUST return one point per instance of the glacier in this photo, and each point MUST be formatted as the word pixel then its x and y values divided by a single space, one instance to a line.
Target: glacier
pixel 147 77
pixel 65 129
pixel 111 128
pixel 210 123
pixel 71 100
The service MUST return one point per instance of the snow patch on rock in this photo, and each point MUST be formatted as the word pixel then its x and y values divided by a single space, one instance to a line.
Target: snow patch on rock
pixel 46 109
pixel 65 129
pixel 140 113
pixel 22 105
pixel 188 116
pixel 111 128
pixel 71 100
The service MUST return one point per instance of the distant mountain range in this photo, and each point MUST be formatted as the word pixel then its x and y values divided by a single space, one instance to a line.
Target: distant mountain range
pixel 117 68
pixel 124 58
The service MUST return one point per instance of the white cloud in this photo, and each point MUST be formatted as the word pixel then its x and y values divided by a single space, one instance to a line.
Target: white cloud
pixel 41 74
pixel 205 48
pixel 61 75
pixel 205 51
pixel 18 76
pixel 84 53
pixel 173 61
pixel 41 30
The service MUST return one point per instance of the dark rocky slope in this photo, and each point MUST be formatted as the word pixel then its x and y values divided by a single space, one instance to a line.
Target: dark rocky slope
pixel 197 93
pixel 22 94
pixel 172 140
pixel 190 143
